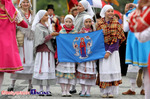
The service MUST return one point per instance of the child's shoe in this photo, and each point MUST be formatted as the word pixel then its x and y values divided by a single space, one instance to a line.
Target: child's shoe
pixel 63 94
pixel 41 93
pixel 87 95
pixel 110 96
pixel 68 94
pixel 73 91
pixel 104 96
pixel 49 93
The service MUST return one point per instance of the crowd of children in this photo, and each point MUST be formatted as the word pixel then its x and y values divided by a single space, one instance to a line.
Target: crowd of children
pixel 37 41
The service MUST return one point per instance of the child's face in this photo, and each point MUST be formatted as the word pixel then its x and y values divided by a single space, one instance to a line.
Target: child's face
pixel 116 18
pixel 45 17
pixel 25 4
pixel 62 19
pixel 109 13
pixel 68 23
pixel 87 23
pixel 75 12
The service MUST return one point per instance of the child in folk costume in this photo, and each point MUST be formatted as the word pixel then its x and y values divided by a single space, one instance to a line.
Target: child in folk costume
pixel 109 76
pixel 84 8
pixel 65 71
pixel 86 72
pixel 44 67
pixel 25 49
pixel 9 54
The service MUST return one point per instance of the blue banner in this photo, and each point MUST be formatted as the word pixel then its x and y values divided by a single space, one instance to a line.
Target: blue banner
pixel 80 47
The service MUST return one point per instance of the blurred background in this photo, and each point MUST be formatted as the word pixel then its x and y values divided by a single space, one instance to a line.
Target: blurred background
pixel 62 6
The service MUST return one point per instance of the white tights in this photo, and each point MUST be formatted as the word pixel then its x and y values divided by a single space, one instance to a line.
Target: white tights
pixel 83 89
pixel 65 87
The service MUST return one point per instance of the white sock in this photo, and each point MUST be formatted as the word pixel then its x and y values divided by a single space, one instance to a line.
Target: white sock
pixel 68 88
pixel 62 87
pixel 142 87
pixel 83 89
pixel 133 86
pixel 1 79
pixel 48 88
pixel 41 87
pixel 88 89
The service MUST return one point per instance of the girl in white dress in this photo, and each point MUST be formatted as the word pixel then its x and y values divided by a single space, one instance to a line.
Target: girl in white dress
pixel 109 76
pixel 44 67
pixel 65 71
pixel 86 72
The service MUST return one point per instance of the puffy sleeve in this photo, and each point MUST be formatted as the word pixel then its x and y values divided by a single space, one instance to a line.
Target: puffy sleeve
pixel 143 36
pixel 20 21
pixel 125 23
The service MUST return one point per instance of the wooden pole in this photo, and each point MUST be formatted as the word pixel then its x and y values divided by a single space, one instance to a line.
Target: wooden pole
pixel 34 6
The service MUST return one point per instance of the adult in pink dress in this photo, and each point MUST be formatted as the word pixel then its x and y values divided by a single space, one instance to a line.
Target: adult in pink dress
pixel 9 55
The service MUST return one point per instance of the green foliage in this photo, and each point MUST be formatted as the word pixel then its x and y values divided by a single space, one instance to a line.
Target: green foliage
pixel 60 6
pixel 122 4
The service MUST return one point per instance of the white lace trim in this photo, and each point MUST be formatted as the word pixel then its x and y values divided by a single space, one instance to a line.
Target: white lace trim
pixel 36 75
pixel 88 70
pixel 110 77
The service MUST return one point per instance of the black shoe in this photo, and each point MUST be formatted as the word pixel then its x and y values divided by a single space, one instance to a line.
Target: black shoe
pixel 49 93
pixel 81 92
pixel 41 93
pixel 10 89
pixel 29 89
pixel 73 91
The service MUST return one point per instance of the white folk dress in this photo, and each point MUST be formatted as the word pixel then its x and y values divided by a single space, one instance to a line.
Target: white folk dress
pixel 44 67
pixel 26 55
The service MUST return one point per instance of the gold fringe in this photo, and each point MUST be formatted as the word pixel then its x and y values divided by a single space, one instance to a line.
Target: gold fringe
pixel 21 67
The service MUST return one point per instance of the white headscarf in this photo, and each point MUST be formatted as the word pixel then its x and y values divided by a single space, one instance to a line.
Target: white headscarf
pixel 87 17
pixel 37 18
pixel 87 7
pixel 104 10
pixel 69 16
pixel 22 1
